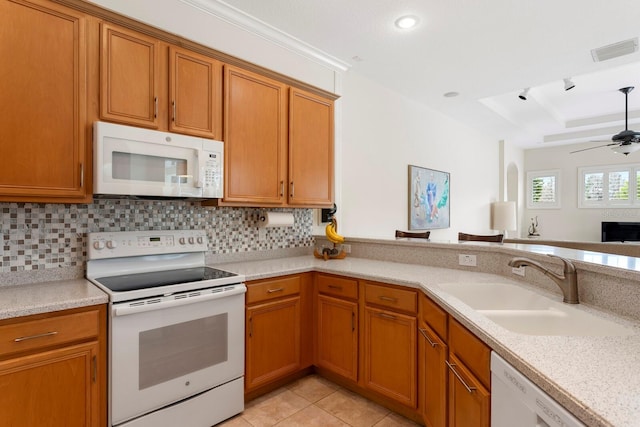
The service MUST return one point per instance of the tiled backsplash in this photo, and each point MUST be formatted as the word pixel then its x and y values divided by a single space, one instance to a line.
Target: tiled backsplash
pixel 42 236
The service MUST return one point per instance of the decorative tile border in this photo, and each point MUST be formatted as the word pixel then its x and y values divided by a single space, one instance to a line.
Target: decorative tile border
pixel 42 236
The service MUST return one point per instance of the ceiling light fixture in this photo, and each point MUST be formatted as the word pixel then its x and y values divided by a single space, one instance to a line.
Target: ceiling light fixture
pixel 568 84
pixel 406 22
pixel 523 94
pixel 626 148
pixel 451 94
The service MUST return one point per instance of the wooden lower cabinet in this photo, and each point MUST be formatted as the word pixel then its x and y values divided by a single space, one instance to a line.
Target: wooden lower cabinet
pixel 337 339
pixel 469 378
pixel 53 370
pixel 469 400
pixel 432 368
pixel 273 341
pixel 390 352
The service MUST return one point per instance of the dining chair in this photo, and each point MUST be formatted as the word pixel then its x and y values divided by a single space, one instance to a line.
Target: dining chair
pixel 480 238
pixel 413 234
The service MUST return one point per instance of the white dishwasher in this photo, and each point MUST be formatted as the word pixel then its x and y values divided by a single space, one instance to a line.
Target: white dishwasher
pixel 516 401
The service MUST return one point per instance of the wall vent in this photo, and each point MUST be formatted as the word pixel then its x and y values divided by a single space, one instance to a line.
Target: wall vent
pixel 615 50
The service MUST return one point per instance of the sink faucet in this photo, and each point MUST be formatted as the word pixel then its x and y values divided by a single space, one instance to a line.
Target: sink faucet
pixel 568 281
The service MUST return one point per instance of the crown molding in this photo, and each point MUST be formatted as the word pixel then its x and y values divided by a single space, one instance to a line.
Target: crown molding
pixel 246 22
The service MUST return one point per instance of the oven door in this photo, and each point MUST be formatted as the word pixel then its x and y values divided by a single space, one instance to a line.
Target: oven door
pixel 168 350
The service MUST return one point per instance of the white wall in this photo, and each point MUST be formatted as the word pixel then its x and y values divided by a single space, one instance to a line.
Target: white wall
pixel 382 133
pixel 569 222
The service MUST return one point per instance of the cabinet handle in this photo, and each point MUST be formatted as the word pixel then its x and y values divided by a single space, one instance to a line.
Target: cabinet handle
pixel 155 107
pixel 173 104
pixel 32 337
pixel 335 287
pixel 270 291
pixel 94 366
pixel 353 321
pixel 281 188
pixel 452 367
pixel 387 316
pixel 424 334
pixel 293 189
pixel 390 299
pixel 250 327
pixel 81 175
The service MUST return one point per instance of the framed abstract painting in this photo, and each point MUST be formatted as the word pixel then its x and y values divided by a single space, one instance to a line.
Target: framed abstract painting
pixel 429 198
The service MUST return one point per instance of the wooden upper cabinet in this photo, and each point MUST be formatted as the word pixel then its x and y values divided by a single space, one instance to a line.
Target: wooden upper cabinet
pixel 195 93
pixel 43 103
pixel 129 77
pixel 255 136
pixel 310 149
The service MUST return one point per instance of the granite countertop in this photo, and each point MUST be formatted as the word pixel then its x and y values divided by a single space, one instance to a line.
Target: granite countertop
pixel 44 297
pixel 593 377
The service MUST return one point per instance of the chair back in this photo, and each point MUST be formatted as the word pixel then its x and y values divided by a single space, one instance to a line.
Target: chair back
pixel 413 234
pixel 481 238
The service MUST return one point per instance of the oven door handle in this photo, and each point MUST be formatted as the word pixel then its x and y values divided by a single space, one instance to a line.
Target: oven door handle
pixel 160 303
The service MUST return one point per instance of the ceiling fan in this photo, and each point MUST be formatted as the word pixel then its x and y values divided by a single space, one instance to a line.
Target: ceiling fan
pixel 624 140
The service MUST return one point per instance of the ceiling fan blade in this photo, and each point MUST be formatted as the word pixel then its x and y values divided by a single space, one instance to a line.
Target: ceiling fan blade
pixel 598 146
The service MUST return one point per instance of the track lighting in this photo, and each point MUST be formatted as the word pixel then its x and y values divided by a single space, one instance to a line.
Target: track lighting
pixel 523 94
pixel 568 84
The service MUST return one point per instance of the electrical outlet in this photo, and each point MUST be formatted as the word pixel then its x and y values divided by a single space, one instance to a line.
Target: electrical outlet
pixel 518 270
pixel 346 248
pixel 467 260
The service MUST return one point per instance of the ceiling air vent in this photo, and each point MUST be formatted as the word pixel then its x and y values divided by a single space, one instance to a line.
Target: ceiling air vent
pixel 615 50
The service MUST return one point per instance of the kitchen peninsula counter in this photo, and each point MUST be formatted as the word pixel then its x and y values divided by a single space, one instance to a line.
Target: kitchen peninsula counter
pixel 593 377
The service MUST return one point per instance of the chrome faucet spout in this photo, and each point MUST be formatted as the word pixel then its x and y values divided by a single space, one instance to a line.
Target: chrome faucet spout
pixel 567 281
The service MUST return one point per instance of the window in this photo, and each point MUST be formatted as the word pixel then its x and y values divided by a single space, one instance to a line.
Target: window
pixel 609 186
pixel 543 189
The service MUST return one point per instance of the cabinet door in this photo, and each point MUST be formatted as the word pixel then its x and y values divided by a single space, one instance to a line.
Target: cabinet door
pixel 338 336
pixel 53 388
pixel 390 353
pixel 432 366
pixel 469 401
pixel 272 341
pixel 129 77
pixel 43 110
pixel 310 149
pixel 255 138
pixel 195 94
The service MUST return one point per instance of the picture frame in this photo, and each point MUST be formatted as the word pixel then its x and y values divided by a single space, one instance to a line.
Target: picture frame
pixel 429 198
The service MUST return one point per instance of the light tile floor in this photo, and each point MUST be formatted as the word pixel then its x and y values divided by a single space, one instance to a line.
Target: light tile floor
pixel 314 401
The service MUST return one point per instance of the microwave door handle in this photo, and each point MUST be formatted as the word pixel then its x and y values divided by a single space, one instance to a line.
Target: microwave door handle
pixel 197 179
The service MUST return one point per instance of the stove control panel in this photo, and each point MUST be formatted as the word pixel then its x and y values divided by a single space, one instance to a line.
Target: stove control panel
pixel 137 243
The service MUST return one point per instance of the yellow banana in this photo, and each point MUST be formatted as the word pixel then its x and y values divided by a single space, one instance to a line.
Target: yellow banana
pixel 332 235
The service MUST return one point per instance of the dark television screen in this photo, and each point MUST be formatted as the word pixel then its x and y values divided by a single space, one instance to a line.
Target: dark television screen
pixel 620 231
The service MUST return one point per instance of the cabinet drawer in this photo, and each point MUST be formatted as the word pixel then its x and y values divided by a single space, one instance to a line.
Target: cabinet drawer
pixel 398 299
pixel 265 290
pixel 475 355
pixel 338 286
pixel 40 333
pixel 434 316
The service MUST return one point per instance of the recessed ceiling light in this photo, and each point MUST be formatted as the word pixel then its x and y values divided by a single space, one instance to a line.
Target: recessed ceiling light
pixel 451 94
pixel 406 22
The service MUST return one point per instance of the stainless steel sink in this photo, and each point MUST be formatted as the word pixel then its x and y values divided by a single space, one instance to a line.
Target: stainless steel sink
pixel 526 312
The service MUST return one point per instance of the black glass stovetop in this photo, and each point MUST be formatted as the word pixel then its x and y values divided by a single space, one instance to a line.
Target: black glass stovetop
pixel 132 282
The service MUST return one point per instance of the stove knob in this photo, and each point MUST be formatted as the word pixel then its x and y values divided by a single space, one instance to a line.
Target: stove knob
pixel 200 240
pixel 98 244
pixel 112 244
pixel 182 241
pixel 191 240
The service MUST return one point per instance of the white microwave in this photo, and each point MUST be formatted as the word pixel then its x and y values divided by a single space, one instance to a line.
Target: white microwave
pixel 131 161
